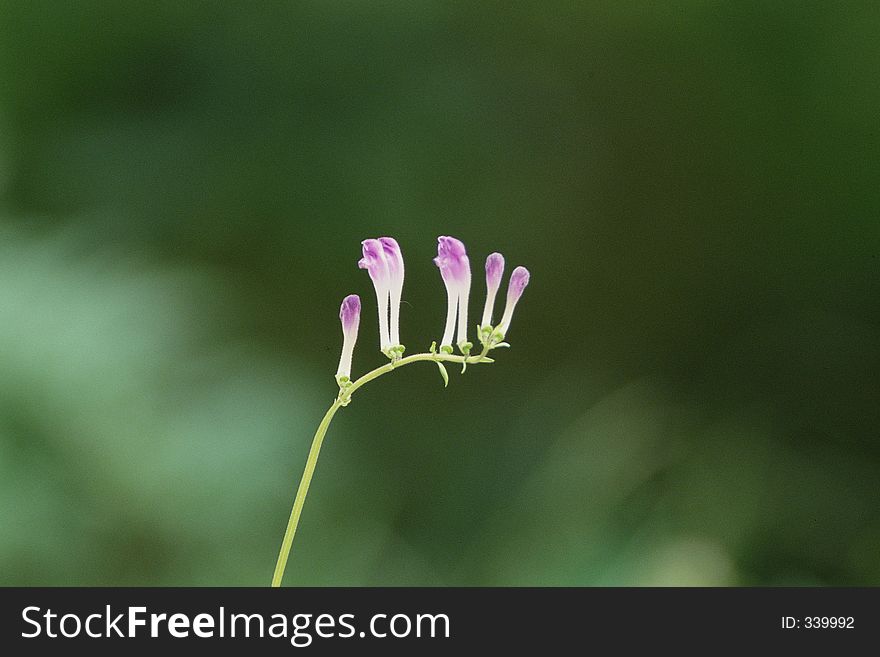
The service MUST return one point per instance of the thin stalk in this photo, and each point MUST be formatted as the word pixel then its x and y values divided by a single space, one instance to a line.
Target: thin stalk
pixel 342 400
pixel 302 491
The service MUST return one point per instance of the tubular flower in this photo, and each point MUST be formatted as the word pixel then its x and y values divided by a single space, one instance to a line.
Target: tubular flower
pixel 376 264
pixel 494 272
pixel 518 281
pixel 455 269
pixel 383 261
pixel 350 316
pixel 394 258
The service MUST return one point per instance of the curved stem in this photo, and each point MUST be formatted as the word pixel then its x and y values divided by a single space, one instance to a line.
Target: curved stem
pixel 312 460
pixel 302 491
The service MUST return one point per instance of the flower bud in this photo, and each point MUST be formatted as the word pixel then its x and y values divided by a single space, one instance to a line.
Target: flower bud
pixel 494 272
pixel 350 316
pixel 518 281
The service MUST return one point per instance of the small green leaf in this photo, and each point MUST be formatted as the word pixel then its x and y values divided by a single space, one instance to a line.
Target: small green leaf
pixel 443 374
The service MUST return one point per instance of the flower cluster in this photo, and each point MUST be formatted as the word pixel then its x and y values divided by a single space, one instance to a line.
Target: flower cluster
pixel 383 261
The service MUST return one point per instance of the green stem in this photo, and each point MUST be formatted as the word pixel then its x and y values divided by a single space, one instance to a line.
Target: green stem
pixel 342 400
pixel 302 491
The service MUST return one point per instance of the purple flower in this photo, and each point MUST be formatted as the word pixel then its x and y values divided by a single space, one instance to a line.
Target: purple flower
pixel 455 268
pixel 394 258
pixel 376 264
pixel 518 281
pixel 494 272
pixel 452 260
pixel 350 315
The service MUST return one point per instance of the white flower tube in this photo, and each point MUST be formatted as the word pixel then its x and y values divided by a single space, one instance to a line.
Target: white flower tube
pixel 376 264
pixel 350 316
pixel 455 268
pixel 518 281
pixel 394 258
pixel 494 272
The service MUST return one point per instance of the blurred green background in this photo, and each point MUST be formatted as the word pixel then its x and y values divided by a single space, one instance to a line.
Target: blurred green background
pixel 692 396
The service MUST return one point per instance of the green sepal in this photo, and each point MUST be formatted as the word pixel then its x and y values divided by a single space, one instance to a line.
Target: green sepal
pixel 394 353
pixel 483 332
pixel 344 384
